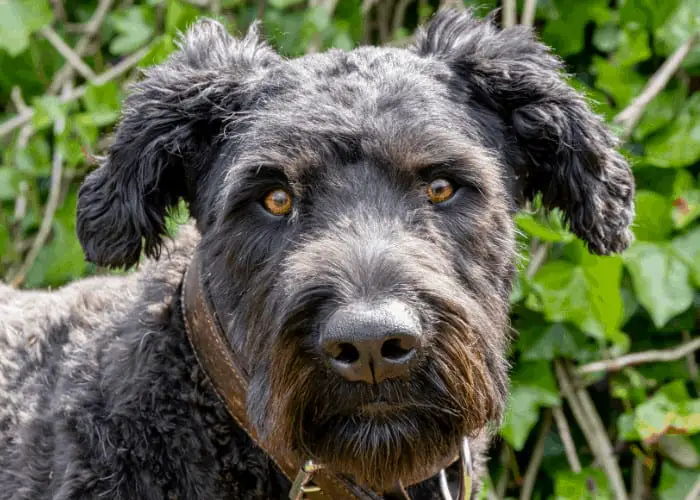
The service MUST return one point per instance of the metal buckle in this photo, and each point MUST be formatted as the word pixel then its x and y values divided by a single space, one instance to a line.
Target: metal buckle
pixel 465 475
pixel 300 485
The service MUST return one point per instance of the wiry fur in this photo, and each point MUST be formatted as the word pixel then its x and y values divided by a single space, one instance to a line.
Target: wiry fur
pixel 100 395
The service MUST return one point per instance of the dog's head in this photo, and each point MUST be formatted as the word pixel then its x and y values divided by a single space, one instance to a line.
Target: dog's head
pixel 356 218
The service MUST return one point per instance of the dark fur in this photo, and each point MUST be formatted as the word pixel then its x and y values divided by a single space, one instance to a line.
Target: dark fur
pixel 100 395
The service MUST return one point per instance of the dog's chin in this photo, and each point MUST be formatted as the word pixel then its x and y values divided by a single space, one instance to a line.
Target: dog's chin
pixel 381 444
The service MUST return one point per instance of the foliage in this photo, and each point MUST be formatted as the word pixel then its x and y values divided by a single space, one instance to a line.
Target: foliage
pixel 568 305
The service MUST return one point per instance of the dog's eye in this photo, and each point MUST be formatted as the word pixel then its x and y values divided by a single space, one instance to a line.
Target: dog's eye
pixel 440 190
pixel 278 202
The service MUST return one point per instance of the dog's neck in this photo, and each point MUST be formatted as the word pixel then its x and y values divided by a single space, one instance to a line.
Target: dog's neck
pixel 229 377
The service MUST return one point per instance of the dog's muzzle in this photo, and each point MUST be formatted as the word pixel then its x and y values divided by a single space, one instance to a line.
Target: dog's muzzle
pixel 230 380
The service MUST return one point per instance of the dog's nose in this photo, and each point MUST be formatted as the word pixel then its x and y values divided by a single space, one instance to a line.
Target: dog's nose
pixel 371 343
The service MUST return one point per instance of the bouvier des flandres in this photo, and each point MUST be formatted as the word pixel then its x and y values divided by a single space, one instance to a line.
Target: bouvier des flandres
pixel 354 224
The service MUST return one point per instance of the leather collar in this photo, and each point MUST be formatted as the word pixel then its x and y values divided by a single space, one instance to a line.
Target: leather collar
pixel 230 380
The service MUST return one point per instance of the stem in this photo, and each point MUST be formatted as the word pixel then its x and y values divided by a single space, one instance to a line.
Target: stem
pixel 631 115
pixel 638 358
pixel 536 458
pixel 566 438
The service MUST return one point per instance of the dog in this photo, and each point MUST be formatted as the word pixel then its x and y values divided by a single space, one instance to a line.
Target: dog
pixel 354 222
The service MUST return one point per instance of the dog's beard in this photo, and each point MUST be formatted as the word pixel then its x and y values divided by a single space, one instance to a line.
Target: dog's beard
pixel 417 429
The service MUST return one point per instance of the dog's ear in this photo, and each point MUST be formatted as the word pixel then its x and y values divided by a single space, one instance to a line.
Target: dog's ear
pixel 170 125
pixel 562 149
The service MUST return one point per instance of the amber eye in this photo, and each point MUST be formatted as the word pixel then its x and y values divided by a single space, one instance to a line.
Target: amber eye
pixel 440 190
pixel 278 202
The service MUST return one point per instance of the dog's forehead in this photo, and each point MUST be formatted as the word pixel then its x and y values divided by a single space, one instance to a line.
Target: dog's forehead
pixel 385 103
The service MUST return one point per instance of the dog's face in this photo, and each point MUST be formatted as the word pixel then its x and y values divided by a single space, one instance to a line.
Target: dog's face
pixel 356 218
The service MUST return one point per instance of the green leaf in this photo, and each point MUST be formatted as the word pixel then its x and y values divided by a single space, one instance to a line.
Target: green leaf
pixel 547 342
pixel 9 182
pixel 625 427
pixel 660 111
pixel 533 387
pixel 687 248
pixel 102 103
pixel 586 294
pixel 676 483
pixel 179 16
pixel 684 23
pixel 634 46
pixel 550 229
pixel 135 28
pixel 607 37
pixel 565 30
pixel 652 220
pixel 19 19
pixel 589 483
pixel 48 109
pixel 678 144
pixel 669 411
pixel 660 280
pixel 649 13
pixel 686 208
pixel 622 84
pixel 283 4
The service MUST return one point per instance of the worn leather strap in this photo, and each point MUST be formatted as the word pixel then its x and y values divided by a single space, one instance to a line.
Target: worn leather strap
pixel 228 376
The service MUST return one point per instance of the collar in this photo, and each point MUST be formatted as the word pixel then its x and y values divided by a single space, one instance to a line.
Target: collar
pixel 229 378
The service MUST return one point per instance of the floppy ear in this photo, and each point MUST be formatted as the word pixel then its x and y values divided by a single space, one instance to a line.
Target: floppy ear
pixel 170 125
pixel 563 150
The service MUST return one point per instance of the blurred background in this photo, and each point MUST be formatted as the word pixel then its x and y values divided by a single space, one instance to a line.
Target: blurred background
pixel 605 389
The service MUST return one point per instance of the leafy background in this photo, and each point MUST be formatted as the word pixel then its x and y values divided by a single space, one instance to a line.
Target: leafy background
pixel 595 411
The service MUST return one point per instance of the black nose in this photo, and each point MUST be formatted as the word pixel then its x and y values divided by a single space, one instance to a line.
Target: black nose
pixel 371 343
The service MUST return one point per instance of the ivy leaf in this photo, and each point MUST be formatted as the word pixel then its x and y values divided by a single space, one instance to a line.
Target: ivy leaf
pixel 533 387
pixel 676 483
pixel 684 23
pixel 19 19
pixel 179 16
pixel 660 280
pixel 634 46
pixel 568 21
pixel 649 13
pixel 660 111
pixel 550 229
pixel 623 84
pixel 586 294
pixel 589 483
pixel 538 342
pixel 652 220
pixel 669 411
pixel 135 28
pixel 678 144
pixel 9 180
pixel 687 247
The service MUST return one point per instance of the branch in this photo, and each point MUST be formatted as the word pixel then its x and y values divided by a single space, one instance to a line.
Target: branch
pixel 631 115
pixel 638 358
pixel 566 438
pixel 690 359
pixel 122 67
pixel 528 16
pixel 536 458
pixel 509 15
pixel 592 427
pixel 51 203
pixel 91 28
pixel 73 59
